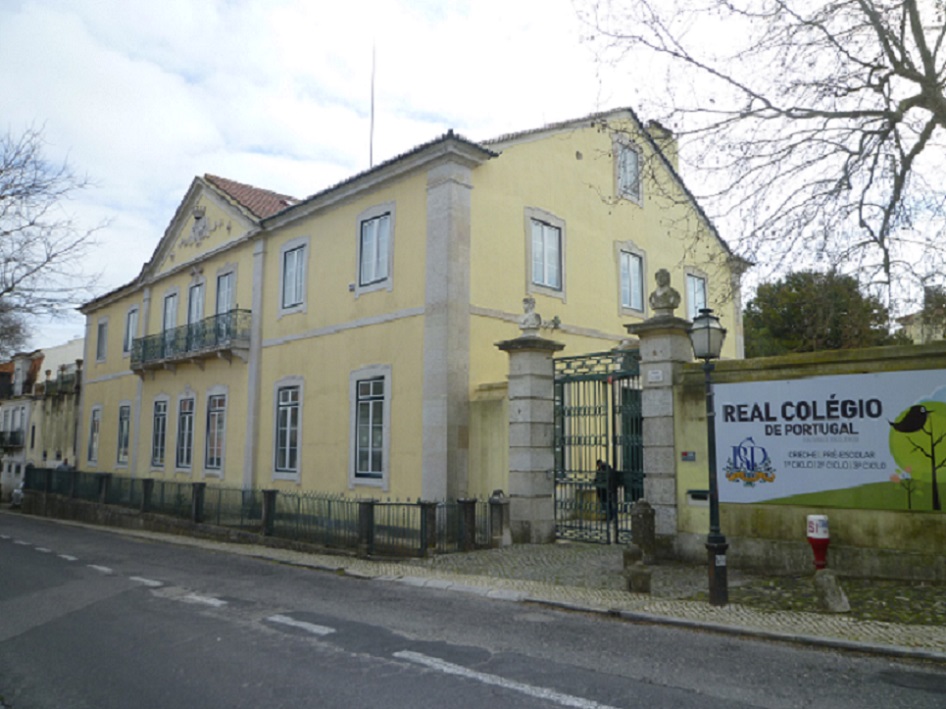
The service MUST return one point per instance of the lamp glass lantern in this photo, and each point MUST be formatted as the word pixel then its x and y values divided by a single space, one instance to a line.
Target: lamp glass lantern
pixel 707 335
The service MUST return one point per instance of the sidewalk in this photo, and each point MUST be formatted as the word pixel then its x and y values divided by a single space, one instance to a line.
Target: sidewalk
pixel 588 578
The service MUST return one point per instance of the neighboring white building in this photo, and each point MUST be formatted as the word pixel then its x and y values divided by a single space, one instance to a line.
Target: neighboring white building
pixel 39 403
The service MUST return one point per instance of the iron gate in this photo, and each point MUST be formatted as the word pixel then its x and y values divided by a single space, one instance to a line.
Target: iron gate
pixel 599 467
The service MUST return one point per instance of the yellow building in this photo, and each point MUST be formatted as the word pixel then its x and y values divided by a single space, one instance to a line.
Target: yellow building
pixel 343 342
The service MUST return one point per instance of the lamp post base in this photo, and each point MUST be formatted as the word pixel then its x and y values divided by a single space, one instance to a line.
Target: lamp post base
pixel 716 547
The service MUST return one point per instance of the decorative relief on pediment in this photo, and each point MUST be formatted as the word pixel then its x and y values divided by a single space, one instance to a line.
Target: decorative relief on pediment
pixel 202 228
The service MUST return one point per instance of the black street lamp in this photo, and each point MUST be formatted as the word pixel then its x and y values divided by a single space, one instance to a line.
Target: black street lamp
pixel 706 336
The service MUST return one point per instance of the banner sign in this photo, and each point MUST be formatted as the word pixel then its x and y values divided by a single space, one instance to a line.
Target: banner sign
pixel 860 440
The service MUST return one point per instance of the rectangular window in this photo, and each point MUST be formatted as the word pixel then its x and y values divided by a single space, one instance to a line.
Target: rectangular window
pixel 185 433
pixel 94 426
pixel 546 255
pixel 170 322
pixel 374 250
pixel 287 429
pixel 632 281
pixel 629 172
pixel 195 303
pixel 293 277
pixel 101 342
pixel 131 329
pixel 124 429
pixel 224 293
pixel 216 423
pixel 159 433
pixel 369 435
pixel 696 295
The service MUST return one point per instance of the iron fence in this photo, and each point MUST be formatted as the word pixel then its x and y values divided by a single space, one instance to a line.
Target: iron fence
pixel 172 498
pixel 390 528
pixel 233 507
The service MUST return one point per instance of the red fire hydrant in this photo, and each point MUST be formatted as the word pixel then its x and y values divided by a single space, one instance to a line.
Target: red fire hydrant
pixel 819 538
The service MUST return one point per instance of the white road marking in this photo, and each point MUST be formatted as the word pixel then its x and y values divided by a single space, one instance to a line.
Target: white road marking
pixel 67 557
pixel 150 583
pixel 565 700
pixel 206 600
pixel 44 550
pixel 22 543
pixel 103 569
pixel 4 536
pixel 301 624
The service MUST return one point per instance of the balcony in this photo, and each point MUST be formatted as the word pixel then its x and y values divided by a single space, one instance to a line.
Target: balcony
pixel 64 384
pixel 225 336
pixel 11 439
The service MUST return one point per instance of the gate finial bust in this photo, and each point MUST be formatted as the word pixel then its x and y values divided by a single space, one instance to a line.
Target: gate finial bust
pixel 666 298
pixel 531 321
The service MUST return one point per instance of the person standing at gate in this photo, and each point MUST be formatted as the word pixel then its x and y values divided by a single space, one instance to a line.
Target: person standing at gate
pixel 606 482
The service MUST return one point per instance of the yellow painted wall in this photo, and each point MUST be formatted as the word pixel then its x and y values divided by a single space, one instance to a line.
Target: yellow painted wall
pixel 570 174
pixel 489 441
pixel 332 262
pixel 223 377
pixel 325 363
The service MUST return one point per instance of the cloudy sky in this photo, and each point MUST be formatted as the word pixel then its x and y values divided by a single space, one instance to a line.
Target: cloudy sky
pixel 142 96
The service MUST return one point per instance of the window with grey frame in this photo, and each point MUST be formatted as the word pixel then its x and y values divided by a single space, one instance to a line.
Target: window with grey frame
pixel 287 429
pixel 369 434
pixel 629 172
pixel 101 341
pixel 374 250
pixel 546 255
pixel 293 277
pixel 185 433
pixel 131 329
pixel 124 434
pixel 696 295
pixel 159 433
pixel 95 424
pixel 632 281
pixel 216 426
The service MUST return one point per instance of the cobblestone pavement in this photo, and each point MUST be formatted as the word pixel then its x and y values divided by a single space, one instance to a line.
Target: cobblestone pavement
pixel 589 578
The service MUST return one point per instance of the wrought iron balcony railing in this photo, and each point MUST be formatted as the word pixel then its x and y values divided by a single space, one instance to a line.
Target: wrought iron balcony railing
pixel 220 335
pixel 66 383
pixel 11 439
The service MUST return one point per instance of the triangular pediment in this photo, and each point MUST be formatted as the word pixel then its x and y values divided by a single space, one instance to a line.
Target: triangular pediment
pixel 206 221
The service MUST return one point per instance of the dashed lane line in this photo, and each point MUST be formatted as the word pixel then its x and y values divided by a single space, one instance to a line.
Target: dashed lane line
pixel 68 557
pixel 206 600
pixel 22 543
pixel 548 695
pixel 101 569
pixel 44 550
pixel 150 583
pixel 313 628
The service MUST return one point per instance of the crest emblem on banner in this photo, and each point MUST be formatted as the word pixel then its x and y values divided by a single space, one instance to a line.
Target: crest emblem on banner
pixel 749 464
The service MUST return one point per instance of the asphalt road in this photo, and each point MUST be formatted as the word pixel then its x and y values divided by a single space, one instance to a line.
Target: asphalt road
pixel 90 618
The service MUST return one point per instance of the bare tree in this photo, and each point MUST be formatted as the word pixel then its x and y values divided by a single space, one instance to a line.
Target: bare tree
pixel 41 244
pixel 12 332
pixel 812 130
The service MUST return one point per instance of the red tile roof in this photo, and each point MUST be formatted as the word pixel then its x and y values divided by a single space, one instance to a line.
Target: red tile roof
pixel 261 203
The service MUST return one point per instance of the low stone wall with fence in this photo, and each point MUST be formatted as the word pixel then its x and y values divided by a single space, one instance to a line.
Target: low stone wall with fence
pixel 365 527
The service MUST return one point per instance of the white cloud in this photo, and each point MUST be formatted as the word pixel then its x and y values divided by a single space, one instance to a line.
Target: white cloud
pixel 143 96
